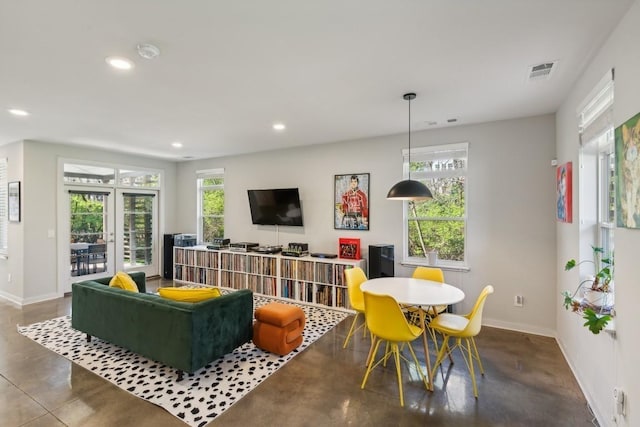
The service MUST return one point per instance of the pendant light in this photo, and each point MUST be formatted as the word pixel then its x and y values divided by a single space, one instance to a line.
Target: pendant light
pixel 409 189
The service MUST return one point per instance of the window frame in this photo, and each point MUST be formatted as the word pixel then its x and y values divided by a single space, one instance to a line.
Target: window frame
pixel 420 154
pixel 597 172
pixel 200 177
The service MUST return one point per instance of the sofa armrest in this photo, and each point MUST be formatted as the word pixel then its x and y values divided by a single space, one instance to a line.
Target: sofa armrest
pixel 220 325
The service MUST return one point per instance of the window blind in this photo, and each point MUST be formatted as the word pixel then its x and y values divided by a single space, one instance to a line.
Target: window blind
pixel 595 113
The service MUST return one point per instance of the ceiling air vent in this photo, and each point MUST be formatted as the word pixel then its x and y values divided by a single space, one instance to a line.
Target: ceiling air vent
pixel 542 71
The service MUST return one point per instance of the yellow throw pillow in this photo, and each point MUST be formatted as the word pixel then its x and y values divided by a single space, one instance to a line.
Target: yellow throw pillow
pixel 189 294
pixel 123 281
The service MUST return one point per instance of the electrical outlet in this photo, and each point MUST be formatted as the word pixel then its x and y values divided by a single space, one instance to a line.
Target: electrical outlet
pixel 518 300
pixel 9 278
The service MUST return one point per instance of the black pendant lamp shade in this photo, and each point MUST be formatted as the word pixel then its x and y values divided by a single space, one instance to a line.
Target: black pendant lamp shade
pixel 409 189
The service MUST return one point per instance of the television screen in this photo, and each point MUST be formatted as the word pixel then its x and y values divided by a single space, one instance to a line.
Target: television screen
pixel 275 207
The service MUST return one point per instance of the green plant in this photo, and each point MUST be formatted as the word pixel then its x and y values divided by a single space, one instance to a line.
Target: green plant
pixel 594 321
pixel 600 282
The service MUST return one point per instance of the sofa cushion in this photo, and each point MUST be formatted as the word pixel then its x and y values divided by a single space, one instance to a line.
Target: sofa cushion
pixel 186 294
pixel 123 281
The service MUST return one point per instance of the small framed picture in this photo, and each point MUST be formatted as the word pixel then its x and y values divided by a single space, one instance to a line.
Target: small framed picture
pixel 351 202
pixel 14 201
pixel 564 178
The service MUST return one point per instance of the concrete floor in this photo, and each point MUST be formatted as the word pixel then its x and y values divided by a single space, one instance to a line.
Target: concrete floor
pixel 527 383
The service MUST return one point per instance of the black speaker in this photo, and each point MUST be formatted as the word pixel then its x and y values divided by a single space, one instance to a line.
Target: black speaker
pixel 381 261
pixel 167 256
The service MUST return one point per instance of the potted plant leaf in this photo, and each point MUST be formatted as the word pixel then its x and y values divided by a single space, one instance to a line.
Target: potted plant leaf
pixel 597 291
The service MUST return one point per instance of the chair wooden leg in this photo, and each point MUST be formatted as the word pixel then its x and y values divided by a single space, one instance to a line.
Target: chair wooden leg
pixel 443 349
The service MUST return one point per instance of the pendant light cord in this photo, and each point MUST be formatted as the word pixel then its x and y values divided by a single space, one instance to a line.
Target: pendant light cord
pixel 409 138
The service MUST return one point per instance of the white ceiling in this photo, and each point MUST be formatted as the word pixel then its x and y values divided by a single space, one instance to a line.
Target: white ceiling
pixel 331 70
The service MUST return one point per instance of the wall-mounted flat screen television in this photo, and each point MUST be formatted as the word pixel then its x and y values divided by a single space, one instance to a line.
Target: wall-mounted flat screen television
pixel 279 206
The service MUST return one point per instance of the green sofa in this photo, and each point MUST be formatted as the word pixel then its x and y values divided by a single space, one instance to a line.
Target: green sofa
pixel 185 336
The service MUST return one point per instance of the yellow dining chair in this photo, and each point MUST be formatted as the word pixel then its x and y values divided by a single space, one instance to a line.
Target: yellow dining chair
pixel 462 328
pixel 429 273
pixel 354 277
pixel 386 322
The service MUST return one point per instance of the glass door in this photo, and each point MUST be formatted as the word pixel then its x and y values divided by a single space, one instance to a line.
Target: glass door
pixel 138 231
pixel 90 234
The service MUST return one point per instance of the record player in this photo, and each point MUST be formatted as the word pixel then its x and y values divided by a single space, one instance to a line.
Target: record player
pixel 242 246
pixel 267 249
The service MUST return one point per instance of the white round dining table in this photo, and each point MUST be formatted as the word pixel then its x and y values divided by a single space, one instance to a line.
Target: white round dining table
pixel 417 292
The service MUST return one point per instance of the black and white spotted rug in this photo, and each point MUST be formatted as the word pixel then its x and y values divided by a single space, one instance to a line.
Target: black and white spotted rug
pixel 200 397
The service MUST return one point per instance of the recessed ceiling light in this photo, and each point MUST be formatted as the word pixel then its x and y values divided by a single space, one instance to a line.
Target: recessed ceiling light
pixel 279 126
pixel 18 112
pixel 176 144
pixel 119 62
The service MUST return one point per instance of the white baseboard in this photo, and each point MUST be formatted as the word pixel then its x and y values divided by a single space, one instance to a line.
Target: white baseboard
pixel 26 301
pixel 11 298
pixel 519 327
pixel 590 400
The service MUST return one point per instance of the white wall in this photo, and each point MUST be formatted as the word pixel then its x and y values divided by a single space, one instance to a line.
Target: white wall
pixel 602 362
pixel 511 207
pixel 12 289
pixel 32 254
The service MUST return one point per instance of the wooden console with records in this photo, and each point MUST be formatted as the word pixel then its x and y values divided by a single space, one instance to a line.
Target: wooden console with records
pixel 304 278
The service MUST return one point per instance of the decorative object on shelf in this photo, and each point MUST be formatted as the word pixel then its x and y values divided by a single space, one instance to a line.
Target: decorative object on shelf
pixel 296 250
pixel 351 197
pixel 627 142
pixel 564 179
pixel 14 201
pixel 432 255
pixel 597 298
pixel 349 248
pixel 409 189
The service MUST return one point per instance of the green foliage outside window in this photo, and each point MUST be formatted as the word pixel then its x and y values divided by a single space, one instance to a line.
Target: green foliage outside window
pixel 87 217
pixel 439 224
pixel 212 208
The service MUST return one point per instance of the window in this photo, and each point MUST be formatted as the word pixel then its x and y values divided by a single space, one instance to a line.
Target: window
pixel 4 211
pixel 210 204
pixel 597 170
pixel 139 178
pixel 88 174
pixel 439 224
